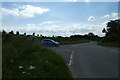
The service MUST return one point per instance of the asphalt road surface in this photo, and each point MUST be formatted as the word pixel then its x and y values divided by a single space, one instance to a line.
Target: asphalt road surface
pixel 88 60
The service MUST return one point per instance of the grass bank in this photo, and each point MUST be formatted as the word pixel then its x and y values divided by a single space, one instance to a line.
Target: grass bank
pixel 72 41
pixel 22 58
pixel 109 44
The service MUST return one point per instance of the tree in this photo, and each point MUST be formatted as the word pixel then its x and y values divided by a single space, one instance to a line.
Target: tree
pixel 33 34
pixel 113 30
pixel 11 32
pixel 3 32
pixel 37 35
pixel 91 34
pixel 17 32
pixel 104 30
pixel 24 34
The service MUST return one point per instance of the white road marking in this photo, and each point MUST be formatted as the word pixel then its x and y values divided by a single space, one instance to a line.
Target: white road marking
pixel 71 58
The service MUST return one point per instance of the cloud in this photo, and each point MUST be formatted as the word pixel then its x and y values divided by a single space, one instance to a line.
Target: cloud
pixel 104 23
pixel 71 0
pixel 30 24
pixel 26 11
pixel 91 0
pixel 112 16
pixel 57 29
pixel 50 22
pixel 105 16
pixel 87 0
pixel 91 18
pixel 13 12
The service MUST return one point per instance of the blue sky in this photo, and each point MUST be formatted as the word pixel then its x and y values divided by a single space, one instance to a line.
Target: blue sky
pixel 57 18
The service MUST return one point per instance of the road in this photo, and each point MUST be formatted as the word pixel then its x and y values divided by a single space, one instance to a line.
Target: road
pixel 88 60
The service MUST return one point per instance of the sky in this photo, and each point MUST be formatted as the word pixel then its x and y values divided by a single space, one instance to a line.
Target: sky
pixel 57 18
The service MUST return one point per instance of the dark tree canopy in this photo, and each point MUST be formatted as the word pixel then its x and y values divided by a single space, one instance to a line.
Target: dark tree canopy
pixel 24 34
pixel 91 34
pixel 11 32
pixel 104 30
pixel 113 30
pixel 17 32
pixel 113 27
pixel 33 34
pixel 3 32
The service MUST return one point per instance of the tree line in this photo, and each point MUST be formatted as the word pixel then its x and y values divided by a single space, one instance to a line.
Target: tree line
pixel 90 36
pixel 112 33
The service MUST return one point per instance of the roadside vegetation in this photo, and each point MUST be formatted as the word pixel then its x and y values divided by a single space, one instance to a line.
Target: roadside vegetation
pixel 25 58
pixel 109 44
pixel 112 34
pixel 74 39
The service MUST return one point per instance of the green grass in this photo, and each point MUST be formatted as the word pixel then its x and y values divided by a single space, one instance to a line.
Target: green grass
pixel 18 52
pixel 72 41
pixel 109 44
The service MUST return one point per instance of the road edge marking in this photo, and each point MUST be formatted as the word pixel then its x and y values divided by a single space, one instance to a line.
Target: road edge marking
pixel 71 58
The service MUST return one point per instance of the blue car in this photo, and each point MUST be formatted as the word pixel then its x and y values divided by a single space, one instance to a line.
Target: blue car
pixel 49 42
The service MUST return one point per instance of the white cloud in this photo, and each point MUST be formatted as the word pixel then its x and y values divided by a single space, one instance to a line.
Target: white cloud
pixel 27 11
pixel 50 22
pixel 14 12
pixel 104 23
pixel 91 18
pixel 56 29
pixel 112 16
pixel 91 0
pixel 105 16
pixel 30 24
pixel 71 0
pixel 87 0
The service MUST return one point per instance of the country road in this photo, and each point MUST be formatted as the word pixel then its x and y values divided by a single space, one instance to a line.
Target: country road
pixel 88 60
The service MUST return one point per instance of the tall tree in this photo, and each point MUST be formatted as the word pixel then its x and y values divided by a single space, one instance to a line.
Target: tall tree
pixel 24 34
pixel 104 30
pixel 3 32
pixel 33 34
pixel 17 32
pixel 113 30
pixel 91 34
pixel 11 32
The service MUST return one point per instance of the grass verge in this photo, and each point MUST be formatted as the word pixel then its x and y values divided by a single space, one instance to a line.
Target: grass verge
pixel 109 44
pixel 72 41
pixel 22 58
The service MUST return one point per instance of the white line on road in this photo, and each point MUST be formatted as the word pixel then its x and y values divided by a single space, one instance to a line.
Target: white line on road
pixel 71 58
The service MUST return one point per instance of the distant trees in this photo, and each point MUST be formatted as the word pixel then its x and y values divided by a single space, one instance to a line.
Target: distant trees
pixel 17 32
pixel 112 31
pixel 89 36
pixel 37 35
pixel 11 32
pixel 33 34
pixel 24 34
pixel 3 32
pixel 104 30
